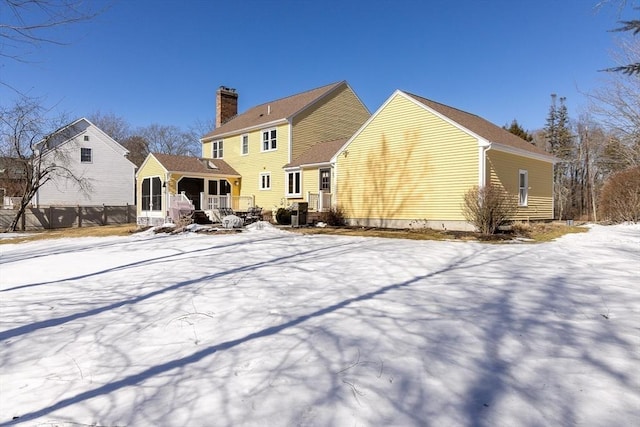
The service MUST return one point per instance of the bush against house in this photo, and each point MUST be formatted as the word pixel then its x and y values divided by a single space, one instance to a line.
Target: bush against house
pixel 488 208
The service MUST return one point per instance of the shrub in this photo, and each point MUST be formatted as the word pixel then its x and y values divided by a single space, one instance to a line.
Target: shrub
pixel 333 217
pixel 488 207
pixel 620 196
pixel 283 216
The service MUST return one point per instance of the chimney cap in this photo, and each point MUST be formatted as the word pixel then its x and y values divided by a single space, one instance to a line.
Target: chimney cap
pixel 227 89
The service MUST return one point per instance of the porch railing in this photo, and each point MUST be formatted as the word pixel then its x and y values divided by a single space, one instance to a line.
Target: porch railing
pixel 179 206
pixel 320 201
pixel 237 203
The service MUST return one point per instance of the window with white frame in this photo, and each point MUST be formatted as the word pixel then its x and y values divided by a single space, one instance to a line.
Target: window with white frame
pixel 523 187
pixel 293 183
pixel 325 180
pixel 151 194
pixel 269 140
pixel 86 155
pixel 217 149
pixel 244 148
pixel 265 181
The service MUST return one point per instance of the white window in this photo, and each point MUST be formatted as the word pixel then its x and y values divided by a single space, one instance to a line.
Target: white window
pixel 265 181
pixel 293 183
pixel 217 149
pixel 86 137
pixel 85 155
pixel 151 194
pixel 523 187
pixel 244 149
pixel 269 140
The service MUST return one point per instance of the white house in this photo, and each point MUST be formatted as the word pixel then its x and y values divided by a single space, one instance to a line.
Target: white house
pixel 99 162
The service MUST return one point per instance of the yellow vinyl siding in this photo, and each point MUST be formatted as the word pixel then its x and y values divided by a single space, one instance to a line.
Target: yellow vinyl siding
pixel 338 116
pixel 207 147
pixel 251 165
pixel 407 164
pixel 310 181
pixel 151 168
pixel 503 169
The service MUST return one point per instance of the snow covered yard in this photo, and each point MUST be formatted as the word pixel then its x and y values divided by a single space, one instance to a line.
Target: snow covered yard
pixel 272 328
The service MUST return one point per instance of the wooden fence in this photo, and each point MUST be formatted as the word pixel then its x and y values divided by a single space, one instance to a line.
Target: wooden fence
pixel 51 217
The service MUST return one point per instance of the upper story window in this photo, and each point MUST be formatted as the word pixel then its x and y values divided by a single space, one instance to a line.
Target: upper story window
pixel 523 187
pixel 244 149
pixel 269 140
pixel 86 137
pixel 265 181
pixel 86 155
pixel 217 149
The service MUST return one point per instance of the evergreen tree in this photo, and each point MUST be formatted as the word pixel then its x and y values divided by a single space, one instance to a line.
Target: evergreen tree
pixel 559 142
pixel 518 130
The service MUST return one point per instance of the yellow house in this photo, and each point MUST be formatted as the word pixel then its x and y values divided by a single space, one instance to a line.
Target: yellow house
pixel 165 182
pixel 414 159
pixel 264 144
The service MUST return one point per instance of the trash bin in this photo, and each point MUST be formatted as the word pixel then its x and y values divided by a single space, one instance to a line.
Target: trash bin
pixel 299 214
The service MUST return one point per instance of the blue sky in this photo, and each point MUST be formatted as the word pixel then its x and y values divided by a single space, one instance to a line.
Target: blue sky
pixel 161 61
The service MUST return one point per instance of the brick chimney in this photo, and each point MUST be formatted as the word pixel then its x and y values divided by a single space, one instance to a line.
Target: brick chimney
pixel 226 105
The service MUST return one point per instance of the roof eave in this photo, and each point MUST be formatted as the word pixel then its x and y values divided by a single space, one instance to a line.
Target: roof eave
pixel 524 153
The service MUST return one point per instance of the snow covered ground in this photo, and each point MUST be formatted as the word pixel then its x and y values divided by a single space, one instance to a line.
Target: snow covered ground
pixel 271 328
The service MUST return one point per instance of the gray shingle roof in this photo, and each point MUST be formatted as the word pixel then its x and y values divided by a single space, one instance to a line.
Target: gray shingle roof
pixel 321 152
pixel 268 112
pixel 174 163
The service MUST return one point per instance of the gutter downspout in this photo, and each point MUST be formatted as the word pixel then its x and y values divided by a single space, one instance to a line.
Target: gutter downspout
pixel 482 163
pixel 166 196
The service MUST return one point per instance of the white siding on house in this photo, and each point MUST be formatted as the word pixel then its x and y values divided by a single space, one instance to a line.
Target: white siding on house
pixel 110 175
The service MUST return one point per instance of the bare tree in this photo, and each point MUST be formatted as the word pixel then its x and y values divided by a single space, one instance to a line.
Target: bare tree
pixel 138 148
pixel 115 126
pixel 28 23
pixel 616 105
pixel 198 129
pixel 169 139
pixel 26 138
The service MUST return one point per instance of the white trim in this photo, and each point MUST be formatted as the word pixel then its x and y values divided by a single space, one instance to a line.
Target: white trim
pixel 287 177
pixel 290 142
pixel 309 165
pixel 219 143
pixel 163 202
pixel 242 144
pixel 268 130
pixel 526 188
pixel 482 165
pixel 266 173
pixel 512 150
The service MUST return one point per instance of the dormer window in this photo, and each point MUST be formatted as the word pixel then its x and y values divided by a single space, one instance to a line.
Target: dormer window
pixel 217 149
pixel 269 140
